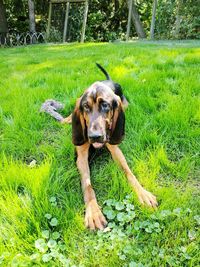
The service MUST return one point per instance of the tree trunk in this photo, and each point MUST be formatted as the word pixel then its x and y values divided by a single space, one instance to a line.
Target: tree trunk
pixel 116 18
pixel 129 19
pixel 84 22
pixel 178 20
pixel 66 21
pixel 137 22
pixel 153 19
pixel 3 20
pixel 116 3
pixel 31 16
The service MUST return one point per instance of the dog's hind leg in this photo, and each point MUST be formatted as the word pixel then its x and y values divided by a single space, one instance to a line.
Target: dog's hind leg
pixel 67 120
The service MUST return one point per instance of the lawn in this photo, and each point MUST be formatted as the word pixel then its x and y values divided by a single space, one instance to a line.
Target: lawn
pixel 41 205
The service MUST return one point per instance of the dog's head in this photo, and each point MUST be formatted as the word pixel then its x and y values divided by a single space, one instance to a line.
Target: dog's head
pixel 98 116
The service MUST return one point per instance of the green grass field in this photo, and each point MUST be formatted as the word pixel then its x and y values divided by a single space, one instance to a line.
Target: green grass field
pixel 41 207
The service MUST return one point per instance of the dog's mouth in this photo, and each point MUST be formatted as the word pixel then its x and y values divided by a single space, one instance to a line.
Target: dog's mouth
pixel 98 142
pixel 98 145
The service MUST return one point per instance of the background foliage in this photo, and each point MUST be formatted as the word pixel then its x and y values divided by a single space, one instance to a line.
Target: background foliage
pixel 189 19
pixel 107 20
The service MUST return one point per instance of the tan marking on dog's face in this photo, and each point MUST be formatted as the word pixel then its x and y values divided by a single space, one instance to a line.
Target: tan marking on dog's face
pixel 97 106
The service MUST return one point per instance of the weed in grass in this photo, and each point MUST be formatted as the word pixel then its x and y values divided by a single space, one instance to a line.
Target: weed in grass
pixel 128 231
pixel 51 245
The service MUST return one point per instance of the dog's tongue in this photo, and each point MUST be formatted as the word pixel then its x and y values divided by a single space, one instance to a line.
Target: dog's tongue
pixel 97 145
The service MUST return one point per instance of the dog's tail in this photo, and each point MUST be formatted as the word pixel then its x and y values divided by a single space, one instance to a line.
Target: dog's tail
pixel 104 71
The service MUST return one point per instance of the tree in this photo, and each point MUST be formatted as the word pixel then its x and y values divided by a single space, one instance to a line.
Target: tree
pixel 3 20
pixel 137 22
pixel 116 13
pixel 31 16
pixel 107 20
pixel 178 20
pixel 153 19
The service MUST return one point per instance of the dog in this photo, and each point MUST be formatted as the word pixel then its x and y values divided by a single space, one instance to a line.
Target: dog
pixel 98 120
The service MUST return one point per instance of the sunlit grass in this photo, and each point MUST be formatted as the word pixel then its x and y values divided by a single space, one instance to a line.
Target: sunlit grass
pixel 162 144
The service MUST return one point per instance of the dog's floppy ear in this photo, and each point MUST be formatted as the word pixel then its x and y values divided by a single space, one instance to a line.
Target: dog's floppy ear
pixel 118 125
pixel 118 91
pixel 78 127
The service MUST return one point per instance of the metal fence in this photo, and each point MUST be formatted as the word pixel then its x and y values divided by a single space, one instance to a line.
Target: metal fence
pixel 18 39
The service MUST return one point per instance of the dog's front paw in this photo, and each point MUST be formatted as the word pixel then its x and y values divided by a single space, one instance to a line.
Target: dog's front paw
pixel 94 218
pixel 145 197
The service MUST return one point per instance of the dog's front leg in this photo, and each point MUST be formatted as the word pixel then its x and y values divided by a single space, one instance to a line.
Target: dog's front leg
pixel 93 215
pixel 143 195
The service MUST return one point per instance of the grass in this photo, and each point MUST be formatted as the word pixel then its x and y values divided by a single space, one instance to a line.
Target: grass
pixel 162 145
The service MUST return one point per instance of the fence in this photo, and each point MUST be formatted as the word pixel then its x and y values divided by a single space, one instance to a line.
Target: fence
pixel 17 39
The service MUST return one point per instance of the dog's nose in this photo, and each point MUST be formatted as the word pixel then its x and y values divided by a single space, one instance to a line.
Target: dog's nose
pixel 95 137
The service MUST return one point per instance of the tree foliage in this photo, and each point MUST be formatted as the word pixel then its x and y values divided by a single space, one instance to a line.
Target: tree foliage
pixel 189 13
pixel 107 20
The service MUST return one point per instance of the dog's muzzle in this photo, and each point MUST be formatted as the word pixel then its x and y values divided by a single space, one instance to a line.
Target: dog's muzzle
pixel 97 140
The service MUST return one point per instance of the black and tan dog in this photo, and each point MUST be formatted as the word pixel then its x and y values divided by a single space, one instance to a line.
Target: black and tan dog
pixel 98 120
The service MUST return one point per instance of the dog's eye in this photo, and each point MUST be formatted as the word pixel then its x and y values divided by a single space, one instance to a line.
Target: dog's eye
pixel 105 106
pixel 86 107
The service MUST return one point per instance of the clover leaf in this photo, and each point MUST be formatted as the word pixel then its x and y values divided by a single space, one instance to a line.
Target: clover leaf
pixel 197 219
pixel 48 216
pixel 41 245
pixel 121 217
pixel 54 222
pixel 52 243
pixel 46 257
pixel 129 207
pixel 55 235
pixel 110 214
pixel 52 199
pixel 119 206
pixel 45 234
